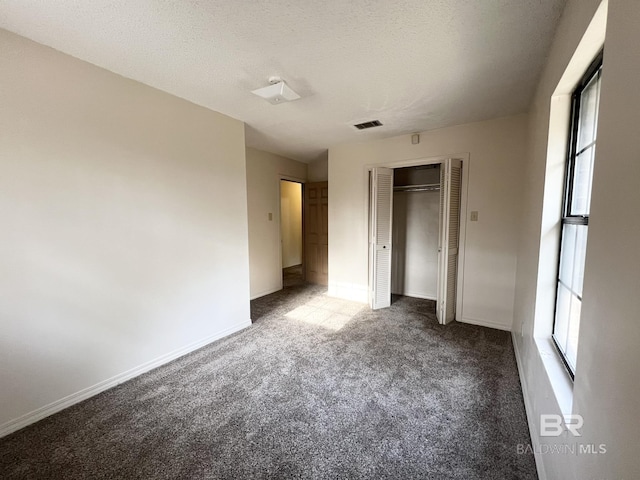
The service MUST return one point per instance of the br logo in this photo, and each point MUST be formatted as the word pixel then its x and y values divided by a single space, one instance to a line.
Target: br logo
pixel 552 425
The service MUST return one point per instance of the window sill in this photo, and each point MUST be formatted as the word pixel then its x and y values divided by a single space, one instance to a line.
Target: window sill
pixel 557 373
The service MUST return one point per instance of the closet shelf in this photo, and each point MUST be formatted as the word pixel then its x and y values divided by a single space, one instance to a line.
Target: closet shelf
pixel 418 188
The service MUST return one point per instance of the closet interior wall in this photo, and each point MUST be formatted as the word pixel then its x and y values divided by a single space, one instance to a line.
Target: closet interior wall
pixel 415 228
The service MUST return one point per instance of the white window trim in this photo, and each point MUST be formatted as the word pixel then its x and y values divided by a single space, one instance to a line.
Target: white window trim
pixel 559 121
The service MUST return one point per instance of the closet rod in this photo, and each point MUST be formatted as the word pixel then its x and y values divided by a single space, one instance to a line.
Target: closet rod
pixel 417 188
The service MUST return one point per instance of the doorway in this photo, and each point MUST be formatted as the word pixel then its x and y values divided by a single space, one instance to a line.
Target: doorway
pixel 415 231
pixel 291 233
pixel 419 255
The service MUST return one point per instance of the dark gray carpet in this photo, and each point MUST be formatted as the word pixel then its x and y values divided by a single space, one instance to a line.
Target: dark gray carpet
pixel 292 276
pixel 316 388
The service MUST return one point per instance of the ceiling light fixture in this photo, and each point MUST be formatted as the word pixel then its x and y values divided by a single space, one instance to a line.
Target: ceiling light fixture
pixel 276 93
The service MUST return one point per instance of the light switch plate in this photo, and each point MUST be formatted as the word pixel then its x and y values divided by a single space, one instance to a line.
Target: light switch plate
pixel 270 216
pixel 474 216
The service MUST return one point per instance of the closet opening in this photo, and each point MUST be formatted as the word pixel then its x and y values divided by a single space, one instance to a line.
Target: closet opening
pixel 414 234
pixel 415 229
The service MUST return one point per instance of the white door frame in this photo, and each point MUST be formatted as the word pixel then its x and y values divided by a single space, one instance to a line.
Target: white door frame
pixel 415 162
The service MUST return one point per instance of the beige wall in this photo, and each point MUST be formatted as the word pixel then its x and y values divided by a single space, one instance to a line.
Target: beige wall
pixel 124 244
pixel 291 223
pixel 415 243
pixel 319 170
pixel 606 388
pixel 264 172
pixel 496 149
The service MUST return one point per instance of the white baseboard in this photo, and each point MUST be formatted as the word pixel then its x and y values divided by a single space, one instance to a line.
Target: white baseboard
pixel 266 292
pixel 485 323
pixel 533 427
pixel 54 407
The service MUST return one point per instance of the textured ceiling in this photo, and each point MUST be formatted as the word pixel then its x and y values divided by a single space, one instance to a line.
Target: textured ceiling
pixel 413 64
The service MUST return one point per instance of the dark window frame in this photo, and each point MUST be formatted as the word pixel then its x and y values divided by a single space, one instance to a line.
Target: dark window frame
pixel 568 218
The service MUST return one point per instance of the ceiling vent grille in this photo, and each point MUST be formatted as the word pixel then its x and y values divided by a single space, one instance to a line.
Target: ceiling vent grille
pixel 371 124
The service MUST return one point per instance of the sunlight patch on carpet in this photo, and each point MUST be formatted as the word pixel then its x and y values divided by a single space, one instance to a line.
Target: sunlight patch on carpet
pixel 330 313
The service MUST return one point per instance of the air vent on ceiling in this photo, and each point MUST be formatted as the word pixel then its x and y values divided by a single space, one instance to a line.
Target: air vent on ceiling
pixel 371 124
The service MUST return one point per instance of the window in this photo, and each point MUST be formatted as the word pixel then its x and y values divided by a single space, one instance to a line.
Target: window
pixel 575 213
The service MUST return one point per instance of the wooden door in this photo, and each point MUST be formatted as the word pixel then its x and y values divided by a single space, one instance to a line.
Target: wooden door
pixel 316 232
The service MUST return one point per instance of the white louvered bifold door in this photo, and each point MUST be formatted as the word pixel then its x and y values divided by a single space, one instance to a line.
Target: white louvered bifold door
pixel 381 219
pixel 450 197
